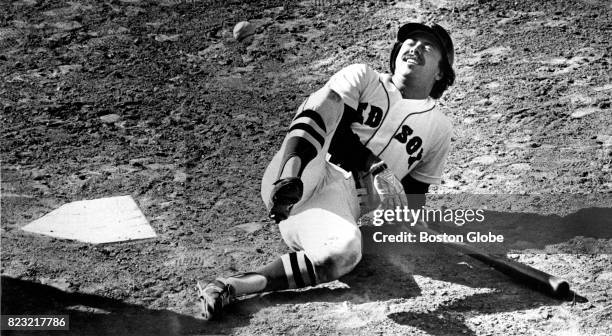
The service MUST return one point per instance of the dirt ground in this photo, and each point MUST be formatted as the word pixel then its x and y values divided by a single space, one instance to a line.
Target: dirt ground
pixel 155 99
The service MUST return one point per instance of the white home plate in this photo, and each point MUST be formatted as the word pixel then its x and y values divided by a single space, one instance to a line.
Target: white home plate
pixel 103 220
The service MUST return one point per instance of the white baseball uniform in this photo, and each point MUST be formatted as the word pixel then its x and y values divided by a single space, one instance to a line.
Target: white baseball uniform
pixel 411 136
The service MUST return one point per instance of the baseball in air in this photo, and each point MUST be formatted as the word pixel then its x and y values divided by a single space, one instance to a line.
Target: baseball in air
pixel 243 30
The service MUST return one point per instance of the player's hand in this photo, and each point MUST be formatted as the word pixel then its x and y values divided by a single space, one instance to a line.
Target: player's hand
pixel 286 193
pixel 388 187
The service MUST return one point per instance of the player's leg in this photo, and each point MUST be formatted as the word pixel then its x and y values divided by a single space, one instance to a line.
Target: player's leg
pixel 325 258
pixel 325 239
pixel 296 168
pixel 325 226
pixel 294 173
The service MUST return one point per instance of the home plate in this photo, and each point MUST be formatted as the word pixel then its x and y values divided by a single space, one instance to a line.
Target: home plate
pixel 103 220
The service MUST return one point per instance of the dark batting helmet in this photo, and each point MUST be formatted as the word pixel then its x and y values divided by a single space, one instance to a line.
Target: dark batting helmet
pixel 445 43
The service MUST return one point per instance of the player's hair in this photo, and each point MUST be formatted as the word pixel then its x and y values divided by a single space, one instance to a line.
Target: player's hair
pixel 447 80
pixel 440 85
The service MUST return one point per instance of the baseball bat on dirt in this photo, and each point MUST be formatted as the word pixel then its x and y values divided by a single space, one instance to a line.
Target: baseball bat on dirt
pixel 529 276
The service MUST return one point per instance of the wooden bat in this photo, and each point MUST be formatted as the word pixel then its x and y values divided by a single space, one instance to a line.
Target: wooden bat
pixel 529 276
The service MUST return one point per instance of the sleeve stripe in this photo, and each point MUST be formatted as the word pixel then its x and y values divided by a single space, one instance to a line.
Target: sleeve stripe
pixel 303 134
pixel 305 127
pixel 316 117
pixel 308 121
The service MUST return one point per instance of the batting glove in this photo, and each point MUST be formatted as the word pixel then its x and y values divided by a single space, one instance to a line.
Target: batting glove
pixel 388 187
pixel 285 194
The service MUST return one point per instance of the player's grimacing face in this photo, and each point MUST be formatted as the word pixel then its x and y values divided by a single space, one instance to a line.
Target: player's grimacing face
pixel 419 55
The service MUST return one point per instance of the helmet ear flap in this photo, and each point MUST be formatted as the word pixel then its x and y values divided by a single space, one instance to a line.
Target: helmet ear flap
pixel 394 52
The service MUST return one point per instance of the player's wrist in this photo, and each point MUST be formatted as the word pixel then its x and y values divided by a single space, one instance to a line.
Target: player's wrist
pixel 370 161
pixel 378 168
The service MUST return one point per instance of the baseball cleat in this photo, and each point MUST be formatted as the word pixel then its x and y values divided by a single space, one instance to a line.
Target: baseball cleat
pixel 285 194
pixel 213 298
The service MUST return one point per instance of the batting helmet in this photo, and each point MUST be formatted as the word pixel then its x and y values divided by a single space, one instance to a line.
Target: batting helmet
pixel 445 43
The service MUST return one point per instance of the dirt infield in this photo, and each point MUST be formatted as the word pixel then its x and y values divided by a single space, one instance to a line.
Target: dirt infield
pixel 155 99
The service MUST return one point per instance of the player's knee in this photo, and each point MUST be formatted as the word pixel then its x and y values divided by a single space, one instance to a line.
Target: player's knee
pixel 341 258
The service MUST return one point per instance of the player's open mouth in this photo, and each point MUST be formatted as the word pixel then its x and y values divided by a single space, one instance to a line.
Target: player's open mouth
pixel 411 59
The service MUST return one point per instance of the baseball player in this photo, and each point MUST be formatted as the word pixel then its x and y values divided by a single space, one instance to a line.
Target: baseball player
pixel 382 128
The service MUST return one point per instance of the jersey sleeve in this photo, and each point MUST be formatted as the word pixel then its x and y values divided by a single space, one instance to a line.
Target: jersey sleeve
pixel 351 82
pixel 430 169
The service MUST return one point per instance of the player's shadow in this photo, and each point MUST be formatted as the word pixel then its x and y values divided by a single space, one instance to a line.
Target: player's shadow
pixel 392 277
pixel 94 314
pixel 586 231
pixel 578 231
pixel 445 320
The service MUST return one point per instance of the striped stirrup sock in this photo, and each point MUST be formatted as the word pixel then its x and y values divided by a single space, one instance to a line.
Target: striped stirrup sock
pixel 299 271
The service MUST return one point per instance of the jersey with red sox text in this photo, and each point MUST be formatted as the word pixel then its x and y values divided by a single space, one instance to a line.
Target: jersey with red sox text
pixel 411 136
